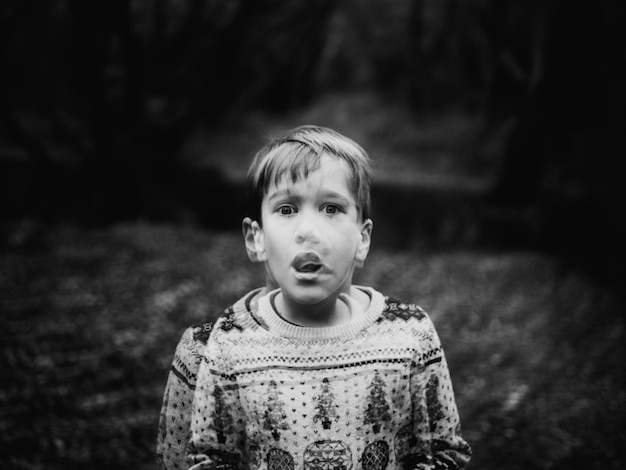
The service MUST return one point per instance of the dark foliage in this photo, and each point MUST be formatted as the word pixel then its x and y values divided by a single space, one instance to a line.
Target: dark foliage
pixel 90 320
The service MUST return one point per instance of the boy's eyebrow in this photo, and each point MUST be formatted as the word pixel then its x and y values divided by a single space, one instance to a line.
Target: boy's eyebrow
pixel 280 193
pixel 335 195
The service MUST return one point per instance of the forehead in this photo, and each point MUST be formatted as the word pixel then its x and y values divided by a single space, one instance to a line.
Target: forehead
pixel 323 170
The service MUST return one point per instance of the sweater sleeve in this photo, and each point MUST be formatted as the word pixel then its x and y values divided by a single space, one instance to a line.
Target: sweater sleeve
pixel 436 422
pixel 174 422
pixel 217 422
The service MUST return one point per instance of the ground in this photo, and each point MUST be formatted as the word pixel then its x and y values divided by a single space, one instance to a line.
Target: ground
pixel 90 320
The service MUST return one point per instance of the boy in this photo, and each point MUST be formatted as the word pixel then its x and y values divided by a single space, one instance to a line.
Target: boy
pixel 313 372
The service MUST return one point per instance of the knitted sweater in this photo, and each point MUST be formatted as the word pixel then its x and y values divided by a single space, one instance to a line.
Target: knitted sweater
pixel 373 393
pixel 175 419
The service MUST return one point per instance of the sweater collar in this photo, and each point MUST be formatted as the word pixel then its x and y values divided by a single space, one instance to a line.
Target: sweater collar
pixel 360 319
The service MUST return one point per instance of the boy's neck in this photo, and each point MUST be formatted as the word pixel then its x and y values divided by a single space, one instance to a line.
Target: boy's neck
pixel 335 311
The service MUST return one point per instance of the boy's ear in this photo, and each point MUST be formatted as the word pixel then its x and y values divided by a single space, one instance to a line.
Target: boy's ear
pixel 364 243
pixel 253 238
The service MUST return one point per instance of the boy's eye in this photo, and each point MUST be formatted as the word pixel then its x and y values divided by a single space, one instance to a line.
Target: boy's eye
pixel 286 210
pixel 331 209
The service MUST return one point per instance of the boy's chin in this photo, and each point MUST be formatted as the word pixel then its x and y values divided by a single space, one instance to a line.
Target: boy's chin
pixel 309 295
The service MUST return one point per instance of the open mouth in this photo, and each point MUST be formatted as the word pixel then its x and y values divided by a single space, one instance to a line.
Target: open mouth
pixel 307 263
pixel 309 268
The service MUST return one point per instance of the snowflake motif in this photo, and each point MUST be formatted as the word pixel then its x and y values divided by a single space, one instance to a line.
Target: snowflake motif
pixel 228 321
pixel 395 310
pixel 201 333
pixel 324 455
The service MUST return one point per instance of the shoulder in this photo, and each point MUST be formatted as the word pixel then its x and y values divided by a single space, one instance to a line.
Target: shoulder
pixel 230 319
pixel 407 319
pixel 395 309
pixel 411 319
pixel 190 351
pixel 196 336
pixel 236 317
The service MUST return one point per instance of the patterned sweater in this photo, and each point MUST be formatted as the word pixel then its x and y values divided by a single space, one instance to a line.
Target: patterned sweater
pixel 374 393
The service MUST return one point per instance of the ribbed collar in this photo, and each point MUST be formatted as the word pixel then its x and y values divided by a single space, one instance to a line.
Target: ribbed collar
pixel 360 319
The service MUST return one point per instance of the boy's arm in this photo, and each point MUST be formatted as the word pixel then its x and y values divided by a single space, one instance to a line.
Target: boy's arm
pixel 174 422
pixel 217 421
pixel 437 426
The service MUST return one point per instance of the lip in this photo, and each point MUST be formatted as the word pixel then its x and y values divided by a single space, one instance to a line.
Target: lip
pixel 308 266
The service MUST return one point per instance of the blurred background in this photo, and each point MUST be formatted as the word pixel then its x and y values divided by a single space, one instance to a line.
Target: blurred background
pixel 496 131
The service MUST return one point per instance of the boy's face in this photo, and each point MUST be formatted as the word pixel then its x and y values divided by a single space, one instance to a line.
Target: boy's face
pixel 312 237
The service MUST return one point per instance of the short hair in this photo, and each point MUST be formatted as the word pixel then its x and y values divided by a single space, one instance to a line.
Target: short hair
pixel 299 153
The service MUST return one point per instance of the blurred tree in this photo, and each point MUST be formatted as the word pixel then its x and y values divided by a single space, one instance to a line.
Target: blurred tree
pixel 102 95
pixel 368 47
pixel 563 87
pixel 559 80
pixel 114 88
pixel 449 50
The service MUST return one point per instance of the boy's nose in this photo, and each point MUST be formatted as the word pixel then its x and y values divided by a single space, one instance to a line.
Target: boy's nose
pixel 307 230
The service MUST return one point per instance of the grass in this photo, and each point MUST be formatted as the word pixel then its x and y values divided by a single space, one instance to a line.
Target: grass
pixel 90 320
